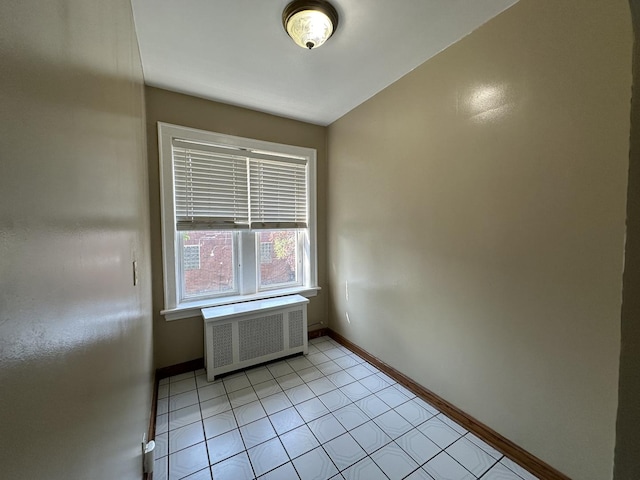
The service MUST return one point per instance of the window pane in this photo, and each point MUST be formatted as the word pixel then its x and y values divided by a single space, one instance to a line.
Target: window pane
pixel 208 261
pixel 278 255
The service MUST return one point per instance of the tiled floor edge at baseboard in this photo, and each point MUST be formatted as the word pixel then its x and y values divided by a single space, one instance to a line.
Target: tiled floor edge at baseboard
pixel 490 436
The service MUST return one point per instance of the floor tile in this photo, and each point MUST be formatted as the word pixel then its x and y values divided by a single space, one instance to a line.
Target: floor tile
pixel 299 394
pixel 318 358
pixel 259 375
pixel 429 408
pixel 162 445
pixel 357 358
pixel 210 391
pixel 215 406
pixel 346 361
pixel 162 406
pixel 329 367
pixel 202 381
pixel 484 446
pixel 275 403
pixel 386 378
pixel 162 423
pixel 219 424
pixel 418 446
pixel 249 413
pixel 500 472
pixel 394 461
pixel 286 420
pixel 344 451
pixel 267 456
pixel 242 397
pixel 325 345
pixel 183 400
pixel 514 467
pixel 279 369
pixel 161 469
pixel 334 353
pixel 360 424
pixel 358 372
pixel 335 400
pixel 392 397
pixel 237 467
pixel 163 392
pixel 289 380
pixel 351 416
pixel 204 474
pixel 404 390
pixel 310 373
pixel 355 391
pixel 311 409
pixel 283 472
pixel 182 376
pixel 370 367
pixel 413 413
pixel 235 383
pixel 419 474
pixel 365 469
pixel 326 428
pixel 257 432
pixel 438 432
pixel 184 416
pixel 225 446
pixel 372 406
pixel 315 465
pixel 321 386
pixel 370 437
pixel 451 424
pixel 393 424
pixel 186 436
pixel 341 378
pixel 299 363
pixel 182 386
pixel 374 383
pixel 187 461
pixel 299 441
pixel 443 466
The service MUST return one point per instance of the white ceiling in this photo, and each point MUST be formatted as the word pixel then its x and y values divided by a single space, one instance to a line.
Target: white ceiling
pixel 237 52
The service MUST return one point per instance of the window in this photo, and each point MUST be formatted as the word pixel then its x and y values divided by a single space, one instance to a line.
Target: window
pixel 238 219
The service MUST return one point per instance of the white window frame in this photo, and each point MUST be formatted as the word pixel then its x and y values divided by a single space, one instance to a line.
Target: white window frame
pixel 174 308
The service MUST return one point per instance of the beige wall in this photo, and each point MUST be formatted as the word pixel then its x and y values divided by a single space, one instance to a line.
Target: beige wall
pixel 182 340
pixel 477 223
pixel 75 334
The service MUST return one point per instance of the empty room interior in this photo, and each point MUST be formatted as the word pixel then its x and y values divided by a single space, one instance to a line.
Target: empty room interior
pixel 409 248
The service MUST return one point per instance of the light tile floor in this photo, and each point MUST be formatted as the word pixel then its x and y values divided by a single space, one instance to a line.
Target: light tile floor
pixel 327 415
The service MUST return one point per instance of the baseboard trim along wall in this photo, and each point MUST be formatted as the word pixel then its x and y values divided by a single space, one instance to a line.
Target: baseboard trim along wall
pixel 493 438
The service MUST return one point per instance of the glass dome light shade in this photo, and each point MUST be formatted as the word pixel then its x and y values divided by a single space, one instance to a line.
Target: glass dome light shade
pixel 309 22
pixel 309 28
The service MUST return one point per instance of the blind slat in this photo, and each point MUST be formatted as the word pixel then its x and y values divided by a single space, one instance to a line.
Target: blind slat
pixel 216 187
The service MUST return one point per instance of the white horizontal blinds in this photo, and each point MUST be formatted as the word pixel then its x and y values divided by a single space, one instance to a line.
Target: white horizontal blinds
pixel 278 193
pixel 210 187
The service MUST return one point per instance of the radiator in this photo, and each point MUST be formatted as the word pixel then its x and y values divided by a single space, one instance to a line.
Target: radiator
pixel 245 334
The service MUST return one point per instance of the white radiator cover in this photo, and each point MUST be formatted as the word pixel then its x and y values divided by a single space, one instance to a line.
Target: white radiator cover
pixel 245 334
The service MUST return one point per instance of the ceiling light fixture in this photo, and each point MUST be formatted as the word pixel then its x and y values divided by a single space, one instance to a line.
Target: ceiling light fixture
pixel 310 22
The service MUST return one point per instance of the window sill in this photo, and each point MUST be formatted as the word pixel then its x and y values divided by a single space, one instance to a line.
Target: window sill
pixel 193 309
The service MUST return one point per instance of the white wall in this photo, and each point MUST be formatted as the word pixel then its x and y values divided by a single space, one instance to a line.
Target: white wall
pixel 75 334
pixel 477 221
